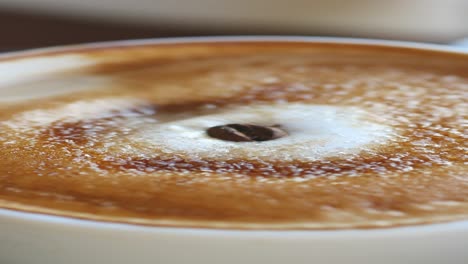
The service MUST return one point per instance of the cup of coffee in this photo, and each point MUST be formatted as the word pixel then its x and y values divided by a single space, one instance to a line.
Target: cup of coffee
pixel 234 150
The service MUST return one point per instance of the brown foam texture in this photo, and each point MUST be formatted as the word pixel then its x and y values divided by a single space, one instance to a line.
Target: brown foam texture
pixel 70 168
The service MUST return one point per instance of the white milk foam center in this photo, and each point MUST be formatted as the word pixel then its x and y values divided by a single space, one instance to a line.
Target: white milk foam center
pixel 315 131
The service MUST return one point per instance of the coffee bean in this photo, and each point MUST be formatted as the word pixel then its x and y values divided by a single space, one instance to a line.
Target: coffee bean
pixel 245 132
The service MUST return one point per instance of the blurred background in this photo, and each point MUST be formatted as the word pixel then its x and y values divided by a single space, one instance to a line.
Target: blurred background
pixel 37 23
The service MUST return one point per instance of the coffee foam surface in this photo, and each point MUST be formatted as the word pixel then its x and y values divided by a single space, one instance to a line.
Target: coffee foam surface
pixel 30 78
pixel 73 112
pixel 376 138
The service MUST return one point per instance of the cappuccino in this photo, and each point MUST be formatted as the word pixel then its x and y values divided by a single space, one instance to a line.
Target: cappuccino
pixel 239 135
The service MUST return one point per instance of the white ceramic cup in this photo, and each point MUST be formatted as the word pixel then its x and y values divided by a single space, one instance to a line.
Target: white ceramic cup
pixel 27 238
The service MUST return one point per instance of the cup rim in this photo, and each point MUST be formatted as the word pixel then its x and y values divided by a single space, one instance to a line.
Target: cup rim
pixel 220 39
pixel 403 231
pixel 21 217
